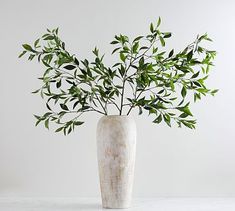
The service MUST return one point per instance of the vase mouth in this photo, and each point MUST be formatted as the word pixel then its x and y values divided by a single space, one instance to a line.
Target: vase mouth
pixel 115 115
pixel 113 119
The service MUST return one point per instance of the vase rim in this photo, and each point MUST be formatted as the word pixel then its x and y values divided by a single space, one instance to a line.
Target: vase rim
pixel 114 115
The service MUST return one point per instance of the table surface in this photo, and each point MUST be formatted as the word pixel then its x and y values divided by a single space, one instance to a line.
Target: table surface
pixel 94 204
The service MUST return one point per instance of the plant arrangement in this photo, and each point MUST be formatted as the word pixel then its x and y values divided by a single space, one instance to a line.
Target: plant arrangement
pixel 145 76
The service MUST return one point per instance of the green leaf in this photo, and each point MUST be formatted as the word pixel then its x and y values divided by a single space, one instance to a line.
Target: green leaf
pixel 78 123
pixel 116 49
pixel 151 27
pixel 137 38
pixel 159 22
pixel 22 54
pixel 64 107
pixel 171 53
pixel 36 43
pixel 96 52
pixel 69 67
pixel 75 104
pixel 167 119
pixel 47 123
pixel 58 84
pixel 183 92
pixel 190 55
pixel 135 47
pixel 143 48
pixel 167 35
pixel 76 61
pixel 59 129
pixel 56 31
pixel 89 72
pixel 155 50
pixel 49 37
pixel 189 123
pixel 141 61
pixel 140 110
pixel 183 115
pixel 197 96
pixel 114 42
pixel 69 130
pixel 122 57
pixel 202 90
pixel 162 41
pixel 28 47
pixel 48 107
pixel 214 91
pixel 172 85
pixel 84 108
pixel 37 117
pixel 197 83
pixel 42 94
pixel 195 75
pixel 158 119
pixel 36 124
pixel 46 64
pixel 64 130
pixel 36 91
pixel 185 110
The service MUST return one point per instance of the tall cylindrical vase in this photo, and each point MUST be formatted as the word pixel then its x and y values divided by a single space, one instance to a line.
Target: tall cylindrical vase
pixel 116 146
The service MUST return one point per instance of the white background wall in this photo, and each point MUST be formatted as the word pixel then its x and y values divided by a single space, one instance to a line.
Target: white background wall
pixel 170 162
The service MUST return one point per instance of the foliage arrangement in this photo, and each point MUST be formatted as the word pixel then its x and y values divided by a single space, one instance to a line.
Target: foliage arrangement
pixel 146 76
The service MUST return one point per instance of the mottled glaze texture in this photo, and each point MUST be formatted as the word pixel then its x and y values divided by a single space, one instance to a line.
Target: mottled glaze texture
pixel 116 146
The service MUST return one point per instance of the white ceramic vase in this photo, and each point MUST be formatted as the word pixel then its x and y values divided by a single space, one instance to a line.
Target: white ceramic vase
pixel 116 146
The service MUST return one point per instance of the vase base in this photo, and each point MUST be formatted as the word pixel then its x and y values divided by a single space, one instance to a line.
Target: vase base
pixel 113 207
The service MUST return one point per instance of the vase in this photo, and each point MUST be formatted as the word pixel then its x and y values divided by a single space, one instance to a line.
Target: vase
pixel 116 147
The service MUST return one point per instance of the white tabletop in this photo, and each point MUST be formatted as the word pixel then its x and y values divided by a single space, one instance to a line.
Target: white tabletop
pixel 93 204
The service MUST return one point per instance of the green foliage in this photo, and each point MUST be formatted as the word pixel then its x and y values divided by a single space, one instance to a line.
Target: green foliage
pixel 162 82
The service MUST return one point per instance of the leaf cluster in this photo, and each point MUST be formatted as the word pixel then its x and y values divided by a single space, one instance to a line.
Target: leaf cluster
pixel 162 82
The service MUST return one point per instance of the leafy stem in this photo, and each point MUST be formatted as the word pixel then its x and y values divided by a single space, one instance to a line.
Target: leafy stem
pixel 160 81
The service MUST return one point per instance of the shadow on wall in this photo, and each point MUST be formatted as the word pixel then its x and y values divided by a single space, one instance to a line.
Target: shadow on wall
pixel 67 204
pixel 89 206
pixel 8 183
